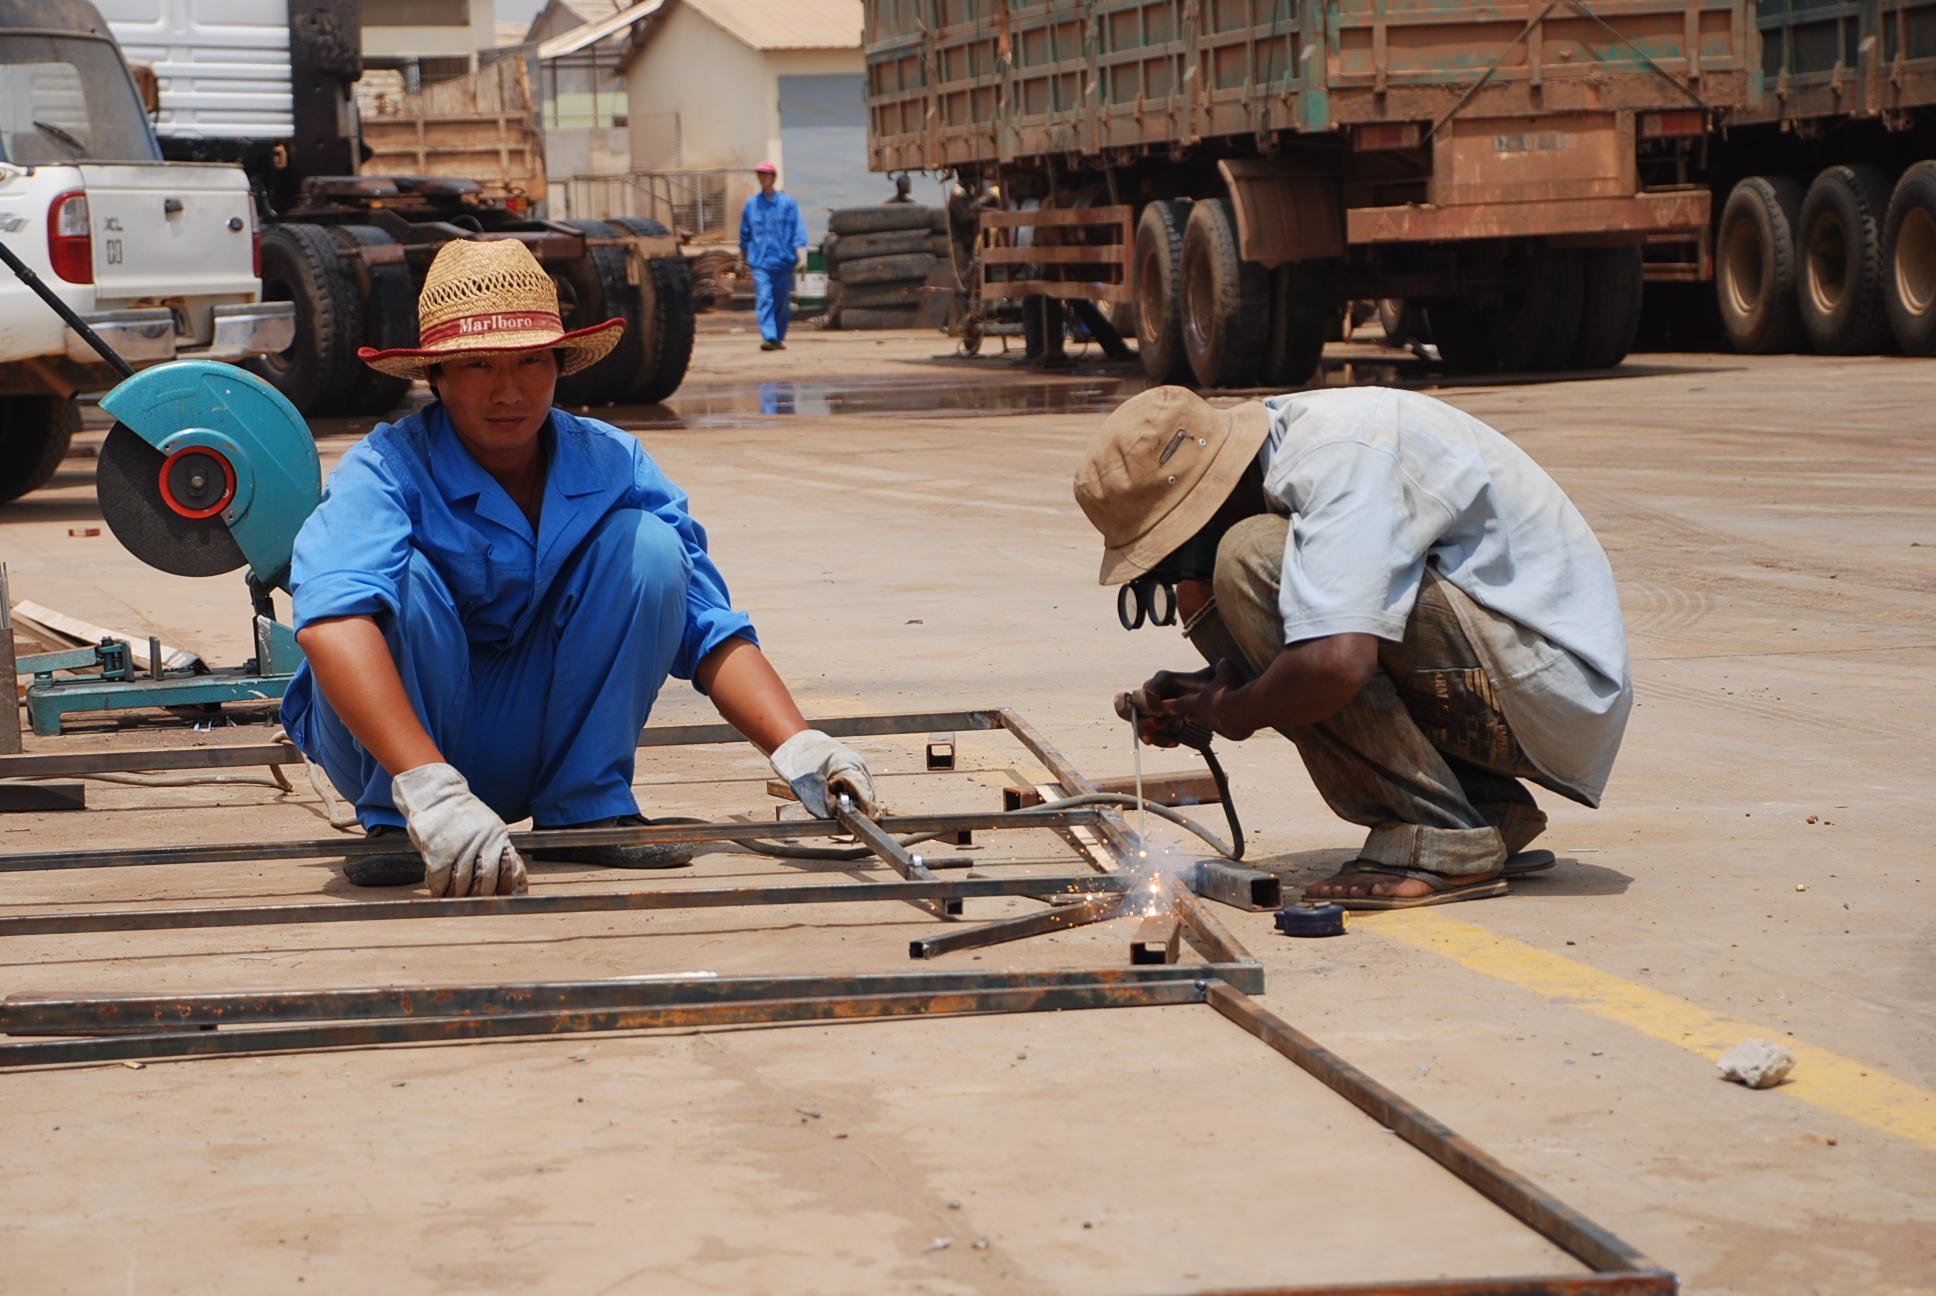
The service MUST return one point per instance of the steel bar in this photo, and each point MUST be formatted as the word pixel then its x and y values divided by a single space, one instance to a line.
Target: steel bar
pixel 1208 933
pixel 894 855
pixel 44 765
pixel 81 1013
pixel 1237 886
pixel 1616 1284
pixel 1003 930
pixel 1072 781
pixel 938 890
pixel 656 834
pixel 1518 1196
pixel 1155 941
pixel 406 1030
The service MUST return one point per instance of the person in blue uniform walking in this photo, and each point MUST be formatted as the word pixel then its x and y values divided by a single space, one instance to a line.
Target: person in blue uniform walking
pixel 492 593
pixel 771 237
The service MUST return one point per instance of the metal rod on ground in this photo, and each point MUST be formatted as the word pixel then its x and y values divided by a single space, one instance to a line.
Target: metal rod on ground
pixel 1022 927
pixel 27 276
pixel 1209 935
pixel 80 1013
pixel 893 854
pixel 1518 1196
pixel 563 1021
pixel 655 834
pixel 935 891
pixel 1155 941
pixel 1072 781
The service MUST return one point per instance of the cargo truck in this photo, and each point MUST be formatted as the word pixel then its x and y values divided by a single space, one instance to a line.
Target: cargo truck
pixel 1824 183
pixel 271 87
pixel 1237 169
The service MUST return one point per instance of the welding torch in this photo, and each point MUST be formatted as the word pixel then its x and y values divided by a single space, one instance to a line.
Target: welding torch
pixel 1142 704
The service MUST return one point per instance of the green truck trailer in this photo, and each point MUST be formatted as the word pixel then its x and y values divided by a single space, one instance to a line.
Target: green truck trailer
pixel 1236 169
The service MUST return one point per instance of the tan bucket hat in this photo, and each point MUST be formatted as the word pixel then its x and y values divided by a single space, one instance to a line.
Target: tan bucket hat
pixel 1158 470
pixel 490 297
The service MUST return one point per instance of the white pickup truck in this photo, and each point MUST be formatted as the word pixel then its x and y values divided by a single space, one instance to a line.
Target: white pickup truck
pixel 158 258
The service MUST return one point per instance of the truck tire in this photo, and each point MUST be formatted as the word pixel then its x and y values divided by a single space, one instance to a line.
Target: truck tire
pixel 318 373
pixel 1226 301
pixel 1466 335
pixel 852 247
pixel 35 432
pixel 1403 322
pixel 388 299
pixel 1554 306
pixel 1909 260
pixel 666 318
pixel 1614 279
pixel 591 291
pixel 879 296
pixel 877 317
pixel 877 220
pixel 1755 265
pixel 1842 265
pixel 899 267
pixel 1159 291
pixel 1300 311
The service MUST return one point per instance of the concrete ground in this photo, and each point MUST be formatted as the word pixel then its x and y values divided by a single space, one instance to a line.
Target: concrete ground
pixel 899 523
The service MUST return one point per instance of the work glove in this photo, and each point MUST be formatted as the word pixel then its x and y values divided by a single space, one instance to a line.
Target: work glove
pixel 466 849
pixel 817 768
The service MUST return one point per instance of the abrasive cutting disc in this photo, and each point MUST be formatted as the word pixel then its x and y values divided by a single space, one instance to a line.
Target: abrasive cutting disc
pixel 127 482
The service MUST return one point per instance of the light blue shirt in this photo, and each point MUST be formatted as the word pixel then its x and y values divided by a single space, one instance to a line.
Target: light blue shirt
pixel 412 485
pixel 771 231
pixel 1379 482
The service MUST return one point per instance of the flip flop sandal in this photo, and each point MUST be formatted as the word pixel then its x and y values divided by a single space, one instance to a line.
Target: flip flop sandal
pixel 1442 891
pixel 1532 861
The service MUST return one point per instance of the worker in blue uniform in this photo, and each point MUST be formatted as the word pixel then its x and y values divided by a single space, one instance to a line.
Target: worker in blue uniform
pixel 771 238
pixel 492 593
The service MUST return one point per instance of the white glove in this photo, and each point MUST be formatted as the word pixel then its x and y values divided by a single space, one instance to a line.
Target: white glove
pixel 814 764
pixel 466 848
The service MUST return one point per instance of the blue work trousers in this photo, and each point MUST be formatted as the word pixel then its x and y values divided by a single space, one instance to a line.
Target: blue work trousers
pixel 547 726
pixel 773 301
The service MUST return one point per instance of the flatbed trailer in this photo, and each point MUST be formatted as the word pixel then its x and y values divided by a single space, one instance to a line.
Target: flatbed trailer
pixel 1220 163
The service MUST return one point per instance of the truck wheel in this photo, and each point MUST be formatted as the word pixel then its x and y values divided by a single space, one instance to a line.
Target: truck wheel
pixel 389 311
pixel 665 318
pixel 1466 335
pixel 852 247
pixel 878 220
pixel 1403 322
pixel 1842 266
pixel 319 370
pixel 1755 265
pixel 1909 260
pixel 1159 291
pixel 591 291
pixel 897 267
pixel 1299 314
pixel 877 317
pixel 1226 301
pixel 36 431
pixel 1613 294
pixel 1539 324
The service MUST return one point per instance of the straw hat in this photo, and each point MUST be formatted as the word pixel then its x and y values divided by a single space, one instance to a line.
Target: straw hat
pixel 491 297
pixel 1158 470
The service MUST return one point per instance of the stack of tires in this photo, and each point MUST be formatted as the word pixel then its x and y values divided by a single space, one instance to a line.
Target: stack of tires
pixel 877 260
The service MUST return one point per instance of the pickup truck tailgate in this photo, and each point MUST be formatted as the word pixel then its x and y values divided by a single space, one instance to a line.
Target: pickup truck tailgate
pixel 166 232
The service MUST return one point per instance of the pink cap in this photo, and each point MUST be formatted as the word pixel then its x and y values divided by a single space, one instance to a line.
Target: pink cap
pixel 767 166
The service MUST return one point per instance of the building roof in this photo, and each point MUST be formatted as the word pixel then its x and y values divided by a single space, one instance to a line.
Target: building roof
pixel 597 29
pixel 786 24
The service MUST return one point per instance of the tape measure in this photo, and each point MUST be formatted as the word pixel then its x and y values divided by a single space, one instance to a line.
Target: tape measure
pixel 1312 918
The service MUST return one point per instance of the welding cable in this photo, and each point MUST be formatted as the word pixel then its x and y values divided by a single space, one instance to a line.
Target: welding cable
pixel 844 854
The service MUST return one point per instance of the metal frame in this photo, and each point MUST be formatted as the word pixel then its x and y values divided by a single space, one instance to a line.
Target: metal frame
pixel 92 1029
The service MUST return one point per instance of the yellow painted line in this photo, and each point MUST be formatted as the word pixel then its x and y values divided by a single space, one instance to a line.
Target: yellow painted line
pixel 1823 1079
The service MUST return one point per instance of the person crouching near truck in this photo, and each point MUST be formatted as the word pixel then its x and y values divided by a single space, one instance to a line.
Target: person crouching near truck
pixel 492 593
pixel 1396 588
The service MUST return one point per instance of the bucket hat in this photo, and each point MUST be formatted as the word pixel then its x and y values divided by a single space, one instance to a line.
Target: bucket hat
pixel 1158 470
pixel 491 297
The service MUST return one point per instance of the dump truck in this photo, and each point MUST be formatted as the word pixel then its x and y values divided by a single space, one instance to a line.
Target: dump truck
pixel 1238 169
pixel 157 258
pixel 273 89
pixel 1824 184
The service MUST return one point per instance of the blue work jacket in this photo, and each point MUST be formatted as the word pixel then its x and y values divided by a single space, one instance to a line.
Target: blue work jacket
pixel 412 485
pixel 771 232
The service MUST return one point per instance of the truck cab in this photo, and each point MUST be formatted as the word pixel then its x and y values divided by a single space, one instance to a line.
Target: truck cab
pixel 158 258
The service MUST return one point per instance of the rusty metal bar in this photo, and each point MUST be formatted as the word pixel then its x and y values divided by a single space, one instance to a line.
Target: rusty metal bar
pixel 1620 1284
pixel 1518 1196
pixel 1237 886
pixel 81 1013
pixel 567 1021
pixel 1156 940
pixel 936 891
pixel 894 855
pixel 1022 927
pixel 655 834
pixel 1208 934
